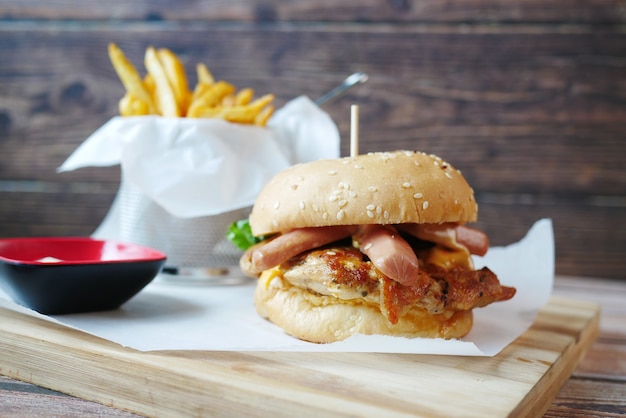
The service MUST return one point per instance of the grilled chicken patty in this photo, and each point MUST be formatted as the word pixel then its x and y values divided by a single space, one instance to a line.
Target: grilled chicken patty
pixel 347 274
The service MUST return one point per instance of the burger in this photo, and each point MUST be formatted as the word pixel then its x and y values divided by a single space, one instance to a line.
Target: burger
pixel 372 244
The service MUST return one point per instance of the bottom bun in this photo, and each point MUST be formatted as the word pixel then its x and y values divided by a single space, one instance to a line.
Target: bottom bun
pixel 326 319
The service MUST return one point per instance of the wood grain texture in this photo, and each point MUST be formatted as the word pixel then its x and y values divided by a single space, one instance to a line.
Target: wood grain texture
pixel 574 400
pixel 526 98
pixel 544 100
pixel 46 403
pixel 520 381
pixel 396 11
pixel 596 388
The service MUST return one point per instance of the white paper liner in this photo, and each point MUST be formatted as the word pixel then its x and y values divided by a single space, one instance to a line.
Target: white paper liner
pixel 201 167
pixel 185 180
pixel 175 317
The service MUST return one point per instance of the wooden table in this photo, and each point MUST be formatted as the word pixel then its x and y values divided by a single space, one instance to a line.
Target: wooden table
pixel 597 387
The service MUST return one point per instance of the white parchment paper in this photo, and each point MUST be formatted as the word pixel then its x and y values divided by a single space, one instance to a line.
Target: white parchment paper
pixel 177 317
pixel 185 180
pixel 202 167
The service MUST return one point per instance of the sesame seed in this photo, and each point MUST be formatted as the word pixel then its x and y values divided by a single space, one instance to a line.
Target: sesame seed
pixel 372 188
pixel 379 209
pixel 333 198
pixel 370 214
pixel 425 205
pixel 302 204
pixel 331 252
pixel 448 175
pixel 406 184
pixel 358 166
pixel 332 172
pixel 340 214
pixel 276 204
pixel 342 203
pixel 370 207
pixel 337 192
pixel 418 195
pixel 352 193
pixel 386 215
pixel 325 215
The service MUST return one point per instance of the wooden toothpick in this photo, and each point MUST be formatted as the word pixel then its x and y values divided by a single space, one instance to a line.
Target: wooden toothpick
pixel 354 130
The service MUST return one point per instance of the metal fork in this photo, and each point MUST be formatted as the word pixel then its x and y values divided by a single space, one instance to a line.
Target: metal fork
pixel 348 83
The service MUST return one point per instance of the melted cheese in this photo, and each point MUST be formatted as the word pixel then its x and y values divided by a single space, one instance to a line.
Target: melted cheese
pixel 268 275
pixel 447 258
pixel 447 252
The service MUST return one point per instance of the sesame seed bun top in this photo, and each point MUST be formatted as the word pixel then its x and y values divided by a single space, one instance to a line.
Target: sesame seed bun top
pixel 376 188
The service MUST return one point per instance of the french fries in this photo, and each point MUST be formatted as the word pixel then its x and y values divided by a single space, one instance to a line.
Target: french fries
pixel 132 106
pixel 175 72
pixel 239 113
pixel 130 77
pixel 165 91
pixel 166 99
pixel 204 75
pixel 209 97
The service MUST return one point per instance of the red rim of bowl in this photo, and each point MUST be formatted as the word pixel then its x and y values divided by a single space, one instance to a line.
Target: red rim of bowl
pixel 55 251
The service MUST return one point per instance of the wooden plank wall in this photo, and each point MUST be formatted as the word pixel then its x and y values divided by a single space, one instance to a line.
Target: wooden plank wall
pixel 526 97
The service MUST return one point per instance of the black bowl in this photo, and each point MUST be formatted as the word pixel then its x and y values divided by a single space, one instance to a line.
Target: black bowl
pixel 57 276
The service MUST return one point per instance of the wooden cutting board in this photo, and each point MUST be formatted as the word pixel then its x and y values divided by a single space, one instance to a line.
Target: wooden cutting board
pixel 521 381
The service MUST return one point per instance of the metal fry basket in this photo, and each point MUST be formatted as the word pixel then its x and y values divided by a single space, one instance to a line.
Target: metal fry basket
pixel 195 247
